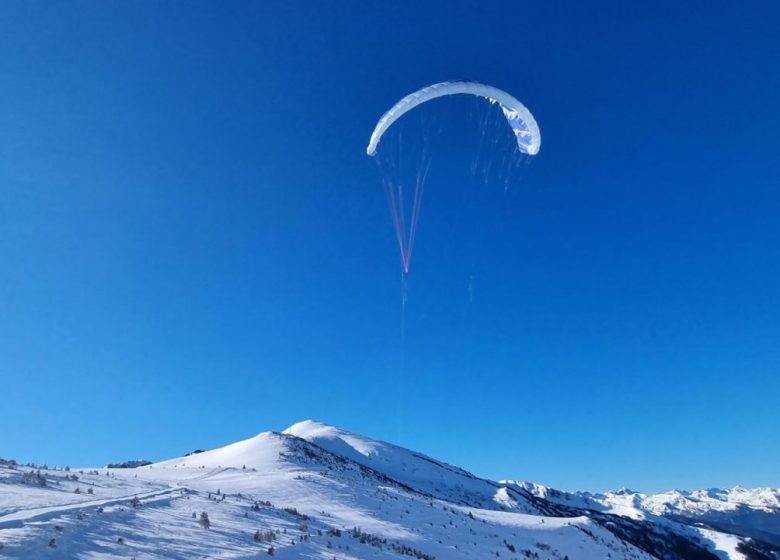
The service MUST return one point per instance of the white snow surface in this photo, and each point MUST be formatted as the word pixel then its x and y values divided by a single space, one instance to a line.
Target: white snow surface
pixel 312 491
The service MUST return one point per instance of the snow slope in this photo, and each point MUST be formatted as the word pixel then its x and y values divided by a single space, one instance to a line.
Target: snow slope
pixel 316 491
pixel 415 470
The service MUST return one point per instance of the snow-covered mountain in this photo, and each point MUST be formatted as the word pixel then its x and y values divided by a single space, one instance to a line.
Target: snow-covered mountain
pixel 316 491
pixel 741 511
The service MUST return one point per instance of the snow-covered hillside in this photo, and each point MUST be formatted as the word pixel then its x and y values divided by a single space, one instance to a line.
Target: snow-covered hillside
pixel 316 491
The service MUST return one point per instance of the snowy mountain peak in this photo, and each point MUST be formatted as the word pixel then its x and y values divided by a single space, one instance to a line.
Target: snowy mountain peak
pixel 624 491
pixel 258 451
pixel 305 426
pixel 308 424
pixel 335 439
pixel 410 468
pixel 366 451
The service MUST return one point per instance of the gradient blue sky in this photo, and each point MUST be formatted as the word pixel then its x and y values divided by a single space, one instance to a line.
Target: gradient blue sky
pixel 194 246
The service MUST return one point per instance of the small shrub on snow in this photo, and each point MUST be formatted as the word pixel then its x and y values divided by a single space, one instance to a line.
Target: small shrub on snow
pixel 267 536
pixel 34 478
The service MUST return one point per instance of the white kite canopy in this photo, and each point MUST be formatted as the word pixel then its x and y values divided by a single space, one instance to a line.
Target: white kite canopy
pixel 519 118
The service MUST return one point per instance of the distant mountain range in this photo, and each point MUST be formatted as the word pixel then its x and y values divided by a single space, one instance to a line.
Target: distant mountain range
pixel 748 512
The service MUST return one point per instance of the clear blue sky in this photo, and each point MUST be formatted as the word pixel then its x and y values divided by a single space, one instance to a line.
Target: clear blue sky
pixel 194 246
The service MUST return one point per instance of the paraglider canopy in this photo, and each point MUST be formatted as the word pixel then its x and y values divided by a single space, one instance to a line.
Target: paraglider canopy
pixel 517 115
pixel 405 155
